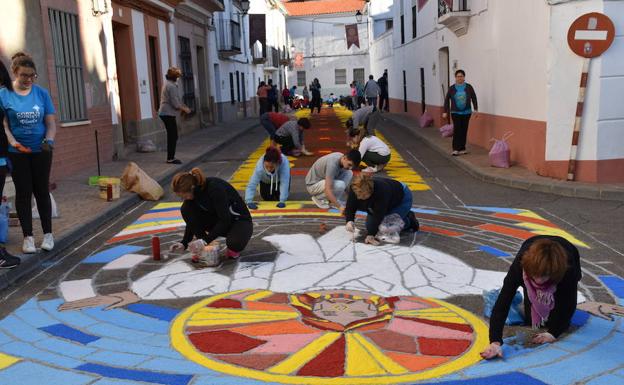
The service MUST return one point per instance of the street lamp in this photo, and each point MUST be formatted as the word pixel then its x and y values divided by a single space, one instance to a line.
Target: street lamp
pixel 244 6
pixel 358 16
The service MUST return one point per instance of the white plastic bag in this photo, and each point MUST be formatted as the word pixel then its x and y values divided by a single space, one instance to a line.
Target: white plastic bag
pixel 390 228
pixel 500 154
pixel 35 211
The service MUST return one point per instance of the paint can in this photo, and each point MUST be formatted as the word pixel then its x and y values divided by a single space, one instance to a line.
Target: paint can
pixel 156 248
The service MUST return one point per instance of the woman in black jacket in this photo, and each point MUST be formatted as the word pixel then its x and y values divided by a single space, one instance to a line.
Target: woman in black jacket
pixel 548 269
pixel 378 197
pixel 458 99
pixel 212 208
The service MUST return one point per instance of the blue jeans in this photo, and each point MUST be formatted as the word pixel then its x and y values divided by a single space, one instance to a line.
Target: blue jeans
pixel 404 208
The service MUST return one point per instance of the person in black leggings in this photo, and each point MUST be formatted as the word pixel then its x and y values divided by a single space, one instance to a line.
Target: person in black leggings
pixel 458 100
pixel 170 105
pixel 30 128
pixel 212 208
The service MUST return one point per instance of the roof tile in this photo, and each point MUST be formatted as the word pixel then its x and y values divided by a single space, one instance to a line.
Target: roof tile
pixel 323 7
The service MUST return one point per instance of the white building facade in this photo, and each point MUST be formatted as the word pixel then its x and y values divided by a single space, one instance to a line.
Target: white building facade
pixel 525 76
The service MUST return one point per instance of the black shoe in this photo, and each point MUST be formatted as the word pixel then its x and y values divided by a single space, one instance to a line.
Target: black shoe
pixel 7 261
pixel 174 161
pixel 413 221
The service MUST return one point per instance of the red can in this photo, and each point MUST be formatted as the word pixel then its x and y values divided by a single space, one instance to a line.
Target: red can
pixel 156 248
pixel 109 192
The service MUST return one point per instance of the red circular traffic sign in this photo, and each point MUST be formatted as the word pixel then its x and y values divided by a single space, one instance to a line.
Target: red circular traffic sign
pixel 591 34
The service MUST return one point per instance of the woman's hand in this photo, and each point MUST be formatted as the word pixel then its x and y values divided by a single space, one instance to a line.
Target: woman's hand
pixel 176 247
pixel 444 115
pixel 492 351
pixel 370 240
pixel 475 114
pixel 21 148
pixel 350 227
pixel 544 338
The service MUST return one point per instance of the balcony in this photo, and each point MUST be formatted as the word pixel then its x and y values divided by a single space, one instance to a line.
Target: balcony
pixel 454 14
pixel 272 59
pixel 257 52
pixel 229 43
pixel 210 5
pixel 284 56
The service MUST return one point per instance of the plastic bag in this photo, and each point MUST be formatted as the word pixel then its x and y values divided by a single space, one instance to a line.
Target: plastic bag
pixel 425 120
pixel 146 145
pixel 4 221
pixel 390 228
pixel 500 154
pixel 35 211
pixel 136 180
pixel 447 130
pixel 515 316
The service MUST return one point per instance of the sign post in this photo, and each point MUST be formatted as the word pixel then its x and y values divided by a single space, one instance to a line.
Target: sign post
pixel 589 36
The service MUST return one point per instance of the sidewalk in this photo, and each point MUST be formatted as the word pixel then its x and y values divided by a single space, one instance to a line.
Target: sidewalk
pixel 476 163
pixel 81 209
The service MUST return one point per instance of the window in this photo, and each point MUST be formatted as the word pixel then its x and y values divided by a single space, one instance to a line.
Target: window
pixel 155 72
pixel 358 75
pixel 68 65
pixel 301 78
pixel 389 24
pixel 188 83
pixel 238 86
pixel 341 76
pixel 402 29
pixel 414 30
pixel 232 99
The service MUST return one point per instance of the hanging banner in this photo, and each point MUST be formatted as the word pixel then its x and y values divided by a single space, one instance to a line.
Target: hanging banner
pixel 353 37
pixel 299 63
pixel 421 4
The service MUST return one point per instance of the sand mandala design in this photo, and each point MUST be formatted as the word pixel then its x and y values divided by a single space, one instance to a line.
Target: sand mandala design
pixel 328 337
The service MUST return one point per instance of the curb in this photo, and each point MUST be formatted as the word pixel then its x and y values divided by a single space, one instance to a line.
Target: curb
pixel 30 262
pixel 548 186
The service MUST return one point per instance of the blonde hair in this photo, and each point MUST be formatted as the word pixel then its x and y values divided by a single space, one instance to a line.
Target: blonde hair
pixel 545 258
pixel 362 186
pixel 173 73
pixel 185 182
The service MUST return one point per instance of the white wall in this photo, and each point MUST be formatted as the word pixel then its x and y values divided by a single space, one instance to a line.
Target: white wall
pixel 323 42
pixel 142 68
pixel 164 51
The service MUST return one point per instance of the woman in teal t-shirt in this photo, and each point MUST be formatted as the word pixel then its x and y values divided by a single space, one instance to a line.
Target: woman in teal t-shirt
pixel 30 129
pixel 457 102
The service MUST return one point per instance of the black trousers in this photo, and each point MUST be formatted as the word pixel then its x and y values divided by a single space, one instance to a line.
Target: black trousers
pixel 267 195
pixel 384 103
pixel 287 144
pixel 316 102
pixel 172 135
pixel 236 237
pixel 264 105
pixel 460 126
pixel 31 176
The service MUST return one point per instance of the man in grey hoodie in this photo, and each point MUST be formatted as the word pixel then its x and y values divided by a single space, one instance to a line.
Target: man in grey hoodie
pixel 371 91
pixel 272 173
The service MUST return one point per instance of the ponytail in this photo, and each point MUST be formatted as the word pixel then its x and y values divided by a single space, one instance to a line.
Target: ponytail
pixel 186 181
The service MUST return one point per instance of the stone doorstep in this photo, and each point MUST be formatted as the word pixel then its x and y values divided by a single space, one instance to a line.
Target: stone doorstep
pixel 476 164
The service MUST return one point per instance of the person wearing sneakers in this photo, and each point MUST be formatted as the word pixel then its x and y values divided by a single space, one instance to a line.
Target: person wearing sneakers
pixel 379 197
pixel 330 176
pixel 212 208
pixel 360 116
pixel 458 99
pixel 375 153
pixel 170 105
pixel 30 128
pixel 273 174
pixel 271 121
pixel 7 261
pixel 290 136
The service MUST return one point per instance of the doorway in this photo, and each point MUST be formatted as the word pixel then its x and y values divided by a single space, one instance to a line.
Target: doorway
pixel 154 71
pixel 423 103
pixel 445 76
pixel 204 104
pixel 218 85
pixel 126 78
pixel 404 91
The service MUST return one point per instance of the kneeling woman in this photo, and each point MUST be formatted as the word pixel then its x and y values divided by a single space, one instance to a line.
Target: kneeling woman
pixel 379 197
pixel 375 153
pixel 548 269
pixel 273 174
pixel 212 208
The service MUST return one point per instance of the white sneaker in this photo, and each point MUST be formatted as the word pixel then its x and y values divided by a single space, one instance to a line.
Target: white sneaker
pixel 28 246
pixel 320 203
pixel 48 242
pixel 370 169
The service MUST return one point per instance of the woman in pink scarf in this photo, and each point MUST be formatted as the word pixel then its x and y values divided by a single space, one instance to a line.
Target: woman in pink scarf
pixel 548 269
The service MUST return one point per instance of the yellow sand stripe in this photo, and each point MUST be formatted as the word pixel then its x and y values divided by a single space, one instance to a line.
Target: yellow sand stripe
pixel 7 360
pixel 386 362
pixel 547 230
pixel 242 312
pixel 259 295
pixel 400 170
pixel 304 355
pixel 167 205
pixel 238 320
pixel 359 361
pixel 155 223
